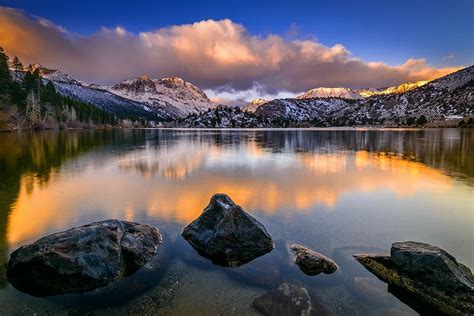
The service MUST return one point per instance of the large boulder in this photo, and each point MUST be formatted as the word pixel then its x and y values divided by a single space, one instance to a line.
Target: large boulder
pixel 427 273
pixel 83 258
pixel 312 262
pixel 226 234
pixel 288 299
pixel 432 264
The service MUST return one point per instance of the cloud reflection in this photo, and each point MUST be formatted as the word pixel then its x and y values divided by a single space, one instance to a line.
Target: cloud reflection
pixel 174 183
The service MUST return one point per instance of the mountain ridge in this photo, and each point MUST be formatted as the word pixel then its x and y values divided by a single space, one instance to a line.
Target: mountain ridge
pixel 451 96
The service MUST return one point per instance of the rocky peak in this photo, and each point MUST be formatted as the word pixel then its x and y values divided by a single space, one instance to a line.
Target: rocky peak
pixel 254 104
pixel 184 87
pixel 322 92
pixel 140 85
pixel 172 82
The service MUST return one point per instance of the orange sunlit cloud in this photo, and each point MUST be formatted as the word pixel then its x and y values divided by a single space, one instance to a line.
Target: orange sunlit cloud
pixel 212 54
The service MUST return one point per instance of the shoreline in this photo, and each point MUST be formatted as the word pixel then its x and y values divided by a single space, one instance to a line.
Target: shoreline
pixel 243 128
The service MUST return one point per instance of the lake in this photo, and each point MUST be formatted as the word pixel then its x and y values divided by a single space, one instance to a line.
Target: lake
pixel 337 191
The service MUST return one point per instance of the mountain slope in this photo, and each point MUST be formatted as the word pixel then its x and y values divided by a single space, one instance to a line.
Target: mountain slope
pixel 253 105
pixel 171 93
pixel 344 93
pixel 358 94
pixel 404 87
pixel 452 95
pixel 299 110
pixel 95 95
pixel 110 102
pixel 222 117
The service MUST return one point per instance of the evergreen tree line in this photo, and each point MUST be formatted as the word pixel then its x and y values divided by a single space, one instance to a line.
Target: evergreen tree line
pixel 26 102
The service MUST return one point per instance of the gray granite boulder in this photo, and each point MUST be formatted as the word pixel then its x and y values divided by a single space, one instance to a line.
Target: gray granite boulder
pixel 312 262
pixel 226 234
pixel 82 259
pixel 288 299
pixel 427 273
pixel 432 264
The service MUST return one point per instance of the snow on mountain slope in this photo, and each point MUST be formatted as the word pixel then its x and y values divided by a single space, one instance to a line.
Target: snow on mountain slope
pixel 96 95
pixel 344 93
pixel 358 94
pixel 404 87
pixel 165 92
pixel 253 105
pixel 110 102
pixel 299 110
pixel 449 96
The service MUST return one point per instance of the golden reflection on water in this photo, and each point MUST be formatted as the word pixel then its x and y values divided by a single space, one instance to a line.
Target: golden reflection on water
pixel 175 182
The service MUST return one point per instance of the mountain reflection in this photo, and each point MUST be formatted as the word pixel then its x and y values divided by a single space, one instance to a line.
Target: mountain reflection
pixel 53 181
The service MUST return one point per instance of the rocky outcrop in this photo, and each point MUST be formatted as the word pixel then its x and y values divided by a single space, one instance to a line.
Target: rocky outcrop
pixel 427 273
pixel 83 258
pixel 226 234
pixel 312 262
pixel 287 299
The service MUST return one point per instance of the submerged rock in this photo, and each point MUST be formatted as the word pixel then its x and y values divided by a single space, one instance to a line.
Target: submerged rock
pixel 287 299
pixel 346 262
pixel 312 262
pixel 426 273
pixel 226 234
pixel 84 258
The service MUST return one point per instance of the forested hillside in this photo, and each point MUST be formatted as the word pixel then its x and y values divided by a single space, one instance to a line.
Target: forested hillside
pixel 26 101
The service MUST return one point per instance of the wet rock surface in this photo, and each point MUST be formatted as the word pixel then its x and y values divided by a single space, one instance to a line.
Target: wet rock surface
pixel 84 258
pixel 226 234
pixel 288 299
pixel 432 264
pixel 428 274
pixel 312 262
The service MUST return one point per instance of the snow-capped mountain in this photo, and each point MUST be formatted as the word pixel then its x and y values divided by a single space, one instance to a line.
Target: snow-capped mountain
pixel 172 92
pixel 111 102
pixel 358 94
pixel 449 96
pixel 344 93
pixel 254 104
pixel 95 95
pixel 404 87
pixel 161 99
pixel 51 74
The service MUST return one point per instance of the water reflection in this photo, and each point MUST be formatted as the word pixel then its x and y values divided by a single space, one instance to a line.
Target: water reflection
pixel 53 181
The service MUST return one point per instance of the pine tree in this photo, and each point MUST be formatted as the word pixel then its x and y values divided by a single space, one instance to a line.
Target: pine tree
pixel 5 78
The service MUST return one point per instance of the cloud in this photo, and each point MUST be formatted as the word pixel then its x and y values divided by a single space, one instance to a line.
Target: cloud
pixel 450 56
pixel 219 55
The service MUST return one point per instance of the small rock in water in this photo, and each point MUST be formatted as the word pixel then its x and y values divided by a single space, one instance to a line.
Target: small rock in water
pixel 226 234
pixel 84 258
pixel 287 299
pixel 427 275
pixel 312 262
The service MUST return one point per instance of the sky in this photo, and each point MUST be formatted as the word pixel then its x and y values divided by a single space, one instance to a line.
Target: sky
pixel 244 49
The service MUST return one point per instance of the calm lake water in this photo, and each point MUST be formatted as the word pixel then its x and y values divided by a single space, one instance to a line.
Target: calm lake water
pixel 338 192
